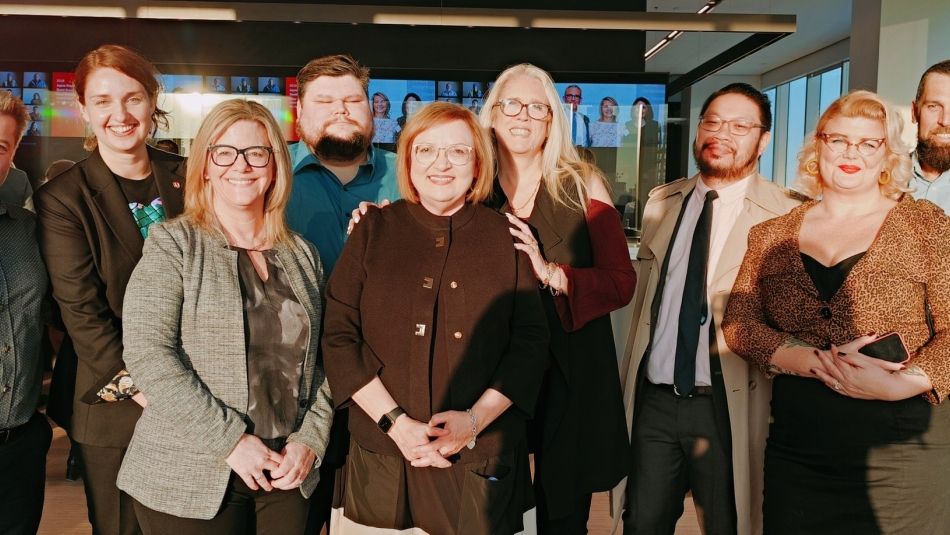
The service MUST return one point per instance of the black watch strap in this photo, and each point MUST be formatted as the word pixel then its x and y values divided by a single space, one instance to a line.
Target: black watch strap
pixel 387 420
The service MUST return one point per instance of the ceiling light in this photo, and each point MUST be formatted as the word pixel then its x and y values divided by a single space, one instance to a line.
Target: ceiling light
pixel 709 6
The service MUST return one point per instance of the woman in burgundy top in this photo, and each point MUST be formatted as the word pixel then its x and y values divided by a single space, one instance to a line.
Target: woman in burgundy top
pixel 564 221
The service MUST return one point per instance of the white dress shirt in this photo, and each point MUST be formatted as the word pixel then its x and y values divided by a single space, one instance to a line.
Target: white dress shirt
pixel 726 210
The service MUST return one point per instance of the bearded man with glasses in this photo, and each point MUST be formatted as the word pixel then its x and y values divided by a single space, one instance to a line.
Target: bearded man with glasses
pixel 698 413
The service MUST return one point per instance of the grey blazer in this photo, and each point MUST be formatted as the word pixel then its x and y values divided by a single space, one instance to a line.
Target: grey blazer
pixel 183 333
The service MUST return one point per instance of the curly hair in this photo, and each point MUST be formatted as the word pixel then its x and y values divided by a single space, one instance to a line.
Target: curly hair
pixel 867 105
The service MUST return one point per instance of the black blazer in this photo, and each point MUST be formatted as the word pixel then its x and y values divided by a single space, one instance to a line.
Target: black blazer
pixel 91 245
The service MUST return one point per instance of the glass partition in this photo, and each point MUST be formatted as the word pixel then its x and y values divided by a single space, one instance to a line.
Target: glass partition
pixel 619 127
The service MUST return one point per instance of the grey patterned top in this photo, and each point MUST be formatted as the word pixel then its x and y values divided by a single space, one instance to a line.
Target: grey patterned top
pixel 276 329
pixel 23 284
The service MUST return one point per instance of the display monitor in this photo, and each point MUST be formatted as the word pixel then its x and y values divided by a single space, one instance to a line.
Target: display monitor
pixel 393 102
pixel 270 85
pixel 182 83
pixel 216 84
pixel 9 79
pixel 35 80
pixel 244 85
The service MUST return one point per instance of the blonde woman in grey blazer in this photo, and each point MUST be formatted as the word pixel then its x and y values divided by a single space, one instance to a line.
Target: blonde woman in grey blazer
pixel 221 330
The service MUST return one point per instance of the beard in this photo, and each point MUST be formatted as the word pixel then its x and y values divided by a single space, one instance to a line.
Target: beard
pixel 742 165
pixel 331 148
pixel 933 153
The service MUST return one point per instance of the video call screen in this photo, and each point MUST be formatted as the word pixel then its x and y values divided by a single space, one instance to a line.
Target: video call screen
pixel 610 112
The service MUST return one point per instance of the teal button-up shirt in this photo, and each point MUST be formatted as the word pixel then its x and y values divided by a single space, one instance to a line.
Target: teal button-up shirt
pixel 936 191
pixel 320 205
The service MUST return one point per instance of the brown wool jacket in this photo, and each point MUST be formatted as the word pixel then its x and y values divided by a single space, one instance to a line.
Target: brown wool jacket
pixel 440 308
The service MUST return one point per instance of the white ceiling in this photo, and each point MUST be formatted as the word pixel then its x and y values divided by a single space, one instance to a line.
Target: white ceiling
pixel 820 23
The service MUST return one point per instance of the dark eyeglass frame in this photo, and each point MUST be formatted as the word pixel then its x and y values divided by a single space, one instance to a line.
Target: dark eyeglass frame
pixel 744 125
pixel 503 103
pixel 470 153
pixel 240 152
pixel 827 138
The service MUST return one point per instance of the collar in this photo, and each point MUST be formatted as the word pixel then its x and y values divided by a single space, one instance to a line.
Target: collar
pixel 437 222
pixel 727 195
pixel 302 157
pixel 14 212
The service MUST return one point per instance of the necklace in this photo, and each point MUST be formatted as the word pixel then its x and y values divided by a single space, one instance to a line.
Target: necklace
pixel 257 246
pixel 518 209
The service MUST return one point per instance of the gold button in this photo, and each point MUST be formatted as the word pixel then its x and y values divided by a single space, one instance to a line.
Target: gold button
pixel 457 335
pixel 454 285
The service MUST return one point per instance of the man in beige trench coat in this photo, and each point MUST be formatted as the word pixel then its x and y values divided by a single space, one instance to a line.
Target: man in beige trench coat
pixel 695 438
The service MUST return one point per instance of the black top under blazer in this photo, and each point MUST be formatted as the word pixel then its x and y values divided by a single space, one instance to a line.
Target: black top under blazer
pixel 91 244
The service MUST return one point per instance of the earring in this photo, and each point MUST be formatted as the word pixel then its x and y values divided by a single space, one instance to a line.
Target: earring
pixel 885 178
pixel 811 167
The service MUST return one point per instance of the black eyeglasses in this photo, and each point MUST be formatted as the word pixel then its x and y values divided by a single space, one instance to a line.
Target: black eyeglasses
pixel 226 155
pixel 739 127
pixel 512 107
pixel 839 144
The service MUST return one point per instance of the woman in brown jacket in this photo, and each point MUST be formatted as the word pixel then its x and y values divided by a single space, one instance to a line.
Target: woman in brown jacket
pixel 857 444
pixel 435 330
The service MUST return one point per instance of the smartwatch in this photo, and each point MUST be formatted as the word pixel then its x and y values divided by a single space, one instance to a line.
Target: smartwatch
pixel 387 420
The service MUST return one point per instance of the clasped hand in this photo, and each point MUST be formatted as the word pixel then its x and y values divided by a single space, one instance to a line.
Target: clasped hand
pixel 856 375
pixel 288 469
pixel 427 444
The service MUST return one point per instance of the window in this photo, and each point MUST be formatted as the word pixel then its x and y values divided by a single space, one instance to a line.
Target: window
pixel 796 107
pixel 797 96
pixel 767 160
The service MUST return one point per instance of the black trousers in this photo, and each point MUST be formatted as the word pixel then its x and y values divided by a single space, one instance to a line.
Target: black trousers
pixel 676 448
pixel 110 510
pixel 244 511
pixel 23 477
pixel 571 522
pixel 321 501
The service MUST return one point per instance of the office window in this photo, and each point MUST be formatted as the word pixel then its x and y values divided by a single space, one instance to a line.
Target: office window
pixel 797 95
pixel 830 89
pixel 796 107
pixel 766 162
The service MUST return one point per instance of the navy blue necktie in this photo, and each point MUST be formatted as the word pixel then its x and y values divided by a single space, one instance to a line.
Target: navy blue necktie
pixel 694 311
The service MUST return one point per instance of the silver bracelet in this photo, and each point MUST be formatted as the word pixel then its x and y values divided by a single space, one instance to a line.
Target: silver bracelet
pixel 471 415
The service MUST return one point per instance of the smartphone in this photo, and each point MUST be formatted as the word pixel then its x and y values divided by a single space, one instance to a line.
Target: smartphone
pixel 889 347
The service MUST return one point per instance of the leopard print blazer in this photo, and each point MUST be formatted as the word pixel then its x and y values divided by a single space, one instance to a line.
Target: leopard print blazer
pixel 907 266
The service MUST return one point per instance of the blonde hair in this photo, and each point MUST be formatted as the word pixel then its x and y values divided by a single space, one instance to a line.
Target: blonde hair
pixel 436 114
pixel 12 106
pixel 867 105
pixel 199 196
pixel 563 171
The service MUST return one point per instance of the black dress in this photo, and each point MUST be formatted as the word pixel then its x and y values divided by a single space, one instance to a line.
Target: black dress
pixel 835 464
